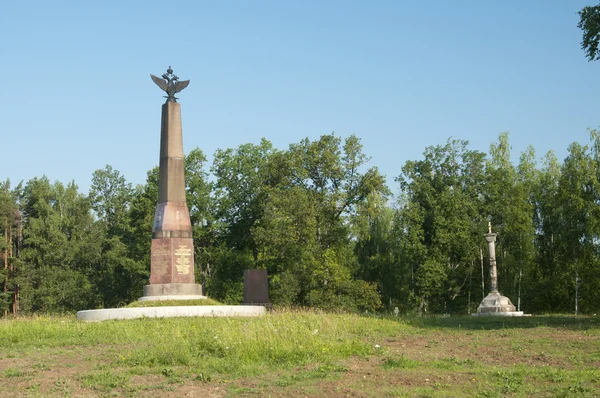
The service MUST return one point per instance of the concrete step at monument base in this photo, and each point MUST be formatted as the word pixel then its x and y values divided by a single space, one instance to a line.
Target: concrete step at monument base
pixel 178 290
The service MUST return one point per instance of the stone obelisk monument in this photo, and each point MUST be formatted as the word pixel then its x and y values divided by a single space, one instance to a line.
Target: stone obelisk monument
pixel 172 255
pixel 495 303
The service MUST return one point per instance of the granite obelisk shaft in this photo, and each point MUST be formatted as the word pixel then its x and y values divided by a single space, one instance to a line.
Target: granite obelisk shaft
pixel 172 255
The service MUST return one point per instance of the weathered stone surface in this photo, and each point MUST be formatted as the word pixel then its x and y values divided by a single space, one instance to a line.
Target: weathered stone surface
pixel 495 303
pixel 171 186
pixel 513 313
pixel 256 286
pixel 170 312
pixel 172 252
pixel 171 217
pixel 175 289
pixel 172 261
pixel 174 297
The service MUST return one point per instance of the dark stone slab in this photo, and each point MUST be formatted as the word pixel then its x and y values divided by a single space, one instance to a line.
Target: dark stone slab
pixel 256 287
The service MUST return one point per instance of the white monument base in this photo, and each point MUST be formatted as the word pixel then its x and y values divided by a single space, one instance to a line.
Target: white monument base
pixel 508 313
pixel 170 312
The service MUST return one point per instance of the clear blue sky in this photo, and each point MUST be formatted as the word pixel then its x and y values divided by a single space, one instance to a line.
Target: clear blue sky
pixel 400 75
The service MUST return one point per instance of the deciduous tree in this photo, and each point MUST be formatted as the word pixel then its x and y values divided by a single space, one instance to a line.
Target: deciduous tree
pixel 589 23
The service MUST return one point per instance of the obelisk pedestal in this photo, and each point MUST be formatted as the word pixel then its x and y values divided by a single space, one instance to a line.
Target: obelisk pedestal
pixel 172 253
pixel 495 303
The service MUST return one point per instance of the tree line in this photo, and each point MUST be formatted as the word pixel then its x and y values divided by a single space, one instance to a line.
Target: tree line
pixel 325 227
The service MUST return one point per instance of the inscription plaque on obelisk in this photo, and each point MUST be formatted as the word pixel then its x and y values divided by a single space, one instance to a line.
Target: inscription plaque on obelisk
pixel 172 252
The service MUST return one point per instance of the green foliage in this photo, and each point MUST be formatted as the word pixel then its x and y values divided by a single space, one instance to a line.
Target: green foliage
pixel 58 232
pixel 578 227
pixel 509 381
pixel 400 363
pixel 589 23
pixel 104 380
pixel 120 279
pixel 12 372
pixel 440 222
pixel 241 177
pixel 285 288
pixel 60 290
pixel 288 212
pixel 122 269
pixel 332 288
pixel 547 273
pixel 510 204
pixel 110 195
pixel 373 227
pixel 143 205
pixel 317 218
pixel 226 276
pixel 10 238
pixel 198 188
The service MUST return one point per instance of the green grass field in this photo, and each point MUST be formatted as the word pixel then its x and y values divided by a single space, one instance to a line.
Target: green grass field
pixel 298 353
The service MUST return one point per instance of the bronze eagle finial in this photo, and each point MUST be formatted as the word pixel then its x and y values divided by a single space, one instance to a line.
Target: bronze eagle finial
pixel 170 84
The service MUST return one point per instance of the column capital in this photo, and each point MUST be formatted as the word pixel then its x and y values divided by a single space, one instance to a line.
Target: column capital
pixel 490 237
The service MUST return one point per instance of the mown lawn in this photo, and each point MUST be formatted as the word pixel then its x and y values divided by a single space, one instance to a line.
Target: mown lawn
pixel 298 353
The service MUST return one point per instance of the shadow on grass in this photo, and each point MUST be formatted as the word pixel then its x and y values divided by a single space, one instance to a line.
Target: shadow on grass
pixel 494 322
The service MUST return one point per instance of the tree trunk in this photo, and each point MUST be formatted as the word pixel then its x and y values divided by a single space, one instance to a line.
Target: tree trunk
pixel 15 306
pixel 520 279
pixel 5 258
pixel 520 274
pixel 482 274
pixel 576 290
pixel 422 307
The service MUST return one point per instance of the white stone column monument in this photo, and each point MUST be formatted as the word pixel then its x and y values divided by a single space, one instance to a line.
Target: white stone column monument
pixel 495 303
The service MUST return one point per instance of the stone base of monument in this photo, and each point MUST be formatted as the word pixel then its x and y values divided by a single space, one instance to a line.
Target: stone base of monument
pixel 507 314
pixel 170 312
pixel 495 304
pixel 172 291
pixel 171 298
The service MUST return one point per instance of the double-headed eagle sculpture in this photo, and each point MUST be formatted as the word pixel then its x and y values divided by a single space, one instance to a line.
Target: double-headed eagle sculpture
pixel 170 84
